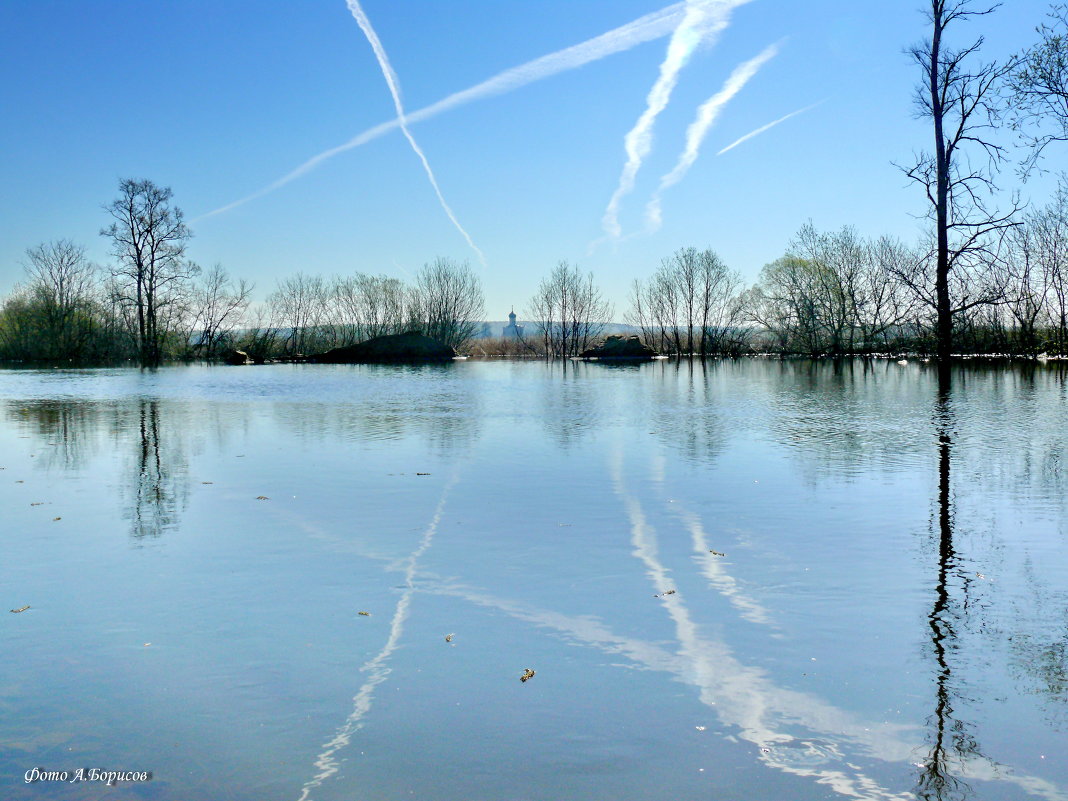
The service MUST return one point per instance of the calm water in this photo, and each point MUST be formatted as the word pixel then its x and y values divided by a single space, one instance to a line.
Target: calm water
pixel 869 573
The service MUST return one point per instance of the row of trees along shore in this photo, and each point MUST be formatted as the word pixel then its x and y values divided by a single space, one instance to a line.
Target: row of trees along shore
pixel 981 279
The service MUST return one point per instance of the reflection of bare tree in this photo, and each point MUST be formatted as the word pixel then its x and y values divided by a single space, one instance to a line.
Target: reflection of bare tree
pixel 156 435
pixel 684 412
pixel 429 402
pixel 65 430
pixel 159 487
pixel 568 401
pixel 952 743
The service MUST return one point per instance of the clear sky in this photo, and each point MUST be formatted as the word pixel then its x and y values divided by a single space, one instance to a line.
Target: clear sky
pixel 219 99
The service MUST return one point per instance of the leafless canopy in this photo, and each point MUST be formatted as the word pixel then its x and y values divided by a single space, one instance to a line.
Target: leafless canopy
pixel 1038 88
pixel 568 311
pixel 149 239
pixel 959 96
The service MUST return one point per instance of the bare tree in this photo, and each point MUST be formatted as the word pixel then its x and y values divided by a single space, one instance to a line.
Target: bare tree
pixel 260 337
pixel 960 101
pixel 299 304
pixel 834 293
pixel 690 304
pixel 446 302
pixel 218 304
pixel 568 311
pixel 1038 88
pixel 62 288
pixel 149 239
pixel 367 306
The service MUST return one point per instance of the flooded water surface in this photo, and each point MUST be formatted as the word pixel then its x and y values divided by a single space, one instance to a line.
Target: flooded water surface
pixel 731 580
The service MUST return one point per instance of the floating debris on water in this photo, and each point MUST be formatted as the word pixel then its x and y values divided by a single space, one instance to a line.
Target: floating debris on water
pixel 54 519
pixel 27 606
pixel 448 637
pixel 262 498
pixel 422 474
pixel 666 592
pixel 528 674
pixel 717 553
pixel 365 614
pixel 39 503
pixel 207 482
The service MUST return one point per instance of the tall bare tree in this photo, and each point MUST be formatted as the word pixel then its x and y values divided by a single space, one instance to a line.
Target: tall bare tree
pixel 149 239
pixel 958 95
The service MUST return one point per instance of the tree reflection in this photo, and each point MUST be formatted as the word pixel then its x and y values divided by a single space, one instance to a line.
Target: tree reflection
pixel 153 435
pixel 952 743
pixel 157 490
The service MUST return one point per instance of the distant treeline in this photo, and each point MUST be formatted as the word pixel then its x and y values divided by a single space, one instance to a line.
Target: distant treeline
pixel 830 294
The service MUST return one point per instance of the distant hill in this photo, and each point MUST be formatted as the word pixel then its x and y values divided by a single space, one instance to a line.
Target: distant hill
pixel 491 329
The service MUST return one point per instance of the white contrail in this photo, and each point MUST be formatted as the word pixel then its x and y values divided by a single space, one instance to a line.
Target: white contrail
pixel 644 29
pixel 698 130
pixel 703 21
pixel 394 90
pixel 763 128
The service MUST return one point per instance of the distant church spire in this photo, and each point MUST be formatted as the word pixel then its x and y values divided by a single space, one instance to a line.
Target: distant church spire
pixel 512 331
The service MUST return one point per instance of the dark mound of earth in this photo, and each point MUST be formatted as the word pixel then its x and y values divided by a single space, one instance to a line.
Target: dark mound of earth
pixel 407 347
pixel 237 357
pixel 620 347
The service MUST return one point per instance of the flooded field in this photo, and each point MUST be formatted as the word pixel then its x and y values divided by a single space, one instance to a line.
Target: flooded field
pixel 730 580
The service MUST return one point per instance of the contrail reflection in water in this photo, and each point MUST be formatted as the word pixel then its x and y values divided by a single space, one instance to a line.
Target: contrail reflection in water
pixel 378 667
pixel 745 698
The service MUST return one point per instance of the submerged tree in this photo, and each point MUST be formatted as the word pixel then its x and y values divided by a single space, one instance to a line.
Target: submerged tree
pixel 216 308
pixel 446 302
pixel 568 311
pixel 367 306
pixel 833 294
pixel 300 304
pixel 958 96
pixel 690 305
pixel 149 239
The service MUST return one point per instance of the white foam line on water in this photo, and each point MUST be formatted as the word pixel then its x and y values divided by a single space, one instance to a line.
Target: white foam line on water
pixel 769 126
pixel 703 21
pixel 706 116
pixel 394 90
pixel 644 29
pixel 378 667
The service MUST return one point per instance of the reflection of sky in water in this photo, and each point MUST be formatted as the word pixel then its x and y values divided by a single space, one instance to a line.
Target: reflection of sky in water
pixel 837 647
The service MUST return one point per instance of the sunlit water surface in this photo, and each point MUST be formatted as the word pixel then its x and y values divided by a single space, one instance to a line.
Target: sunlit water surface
pixel 733 580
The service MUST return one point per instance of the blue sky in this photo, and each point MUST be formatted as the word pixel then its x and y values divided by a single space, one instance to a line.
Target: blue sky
pixel 220 99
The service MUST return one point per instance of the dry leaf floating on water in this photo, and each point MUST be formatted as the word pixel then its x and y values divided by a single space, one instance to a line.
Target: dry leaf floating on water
pixel 528 674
